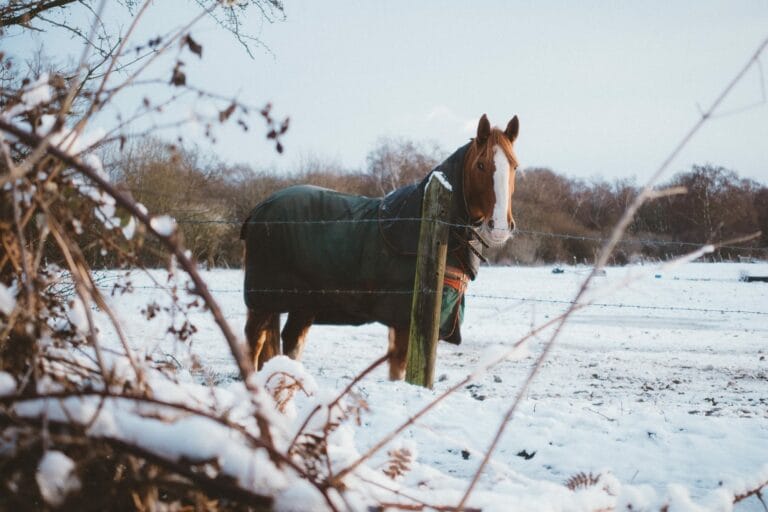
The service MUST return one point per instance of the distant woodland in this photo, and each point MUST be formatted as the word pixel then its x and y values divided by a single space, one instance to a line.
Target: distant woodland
pixel 560 219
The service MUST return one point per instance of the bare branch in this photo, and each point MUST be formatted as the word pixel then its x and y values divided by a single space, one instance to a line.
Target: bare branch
pixel 602 260
pixel 170 241
pixel 23 13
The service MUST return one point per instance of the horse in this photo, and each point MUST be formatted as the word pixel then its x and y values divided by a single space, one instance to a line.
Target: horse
pixel 325 257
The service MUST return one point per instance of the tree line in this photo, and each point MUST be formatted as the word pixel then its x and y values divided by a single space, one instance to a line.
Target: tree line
pixel 561 219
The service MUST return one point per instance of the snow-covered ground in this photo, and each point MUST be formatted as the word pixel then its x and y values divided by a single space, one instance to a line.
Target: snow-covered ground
pixel 662 382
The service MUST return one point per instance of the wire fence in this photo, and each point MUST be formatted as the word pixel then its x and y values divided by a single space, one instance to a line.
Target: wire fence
pixel 507 298
pixel 496 297
pixel 526 232
pixel 493 297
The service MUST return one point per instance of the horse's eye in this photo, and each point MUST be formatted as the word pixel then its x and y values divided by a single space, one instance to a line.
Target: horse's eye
pixel 481 166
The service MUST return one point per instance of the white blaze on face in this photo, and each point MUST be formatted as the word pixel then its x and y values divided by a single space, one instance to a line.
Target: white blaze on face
pixel 500 233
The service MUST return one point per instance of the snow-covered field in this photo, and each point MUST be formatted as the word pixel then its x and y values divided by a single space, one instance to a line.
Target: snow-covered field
pixel 663 383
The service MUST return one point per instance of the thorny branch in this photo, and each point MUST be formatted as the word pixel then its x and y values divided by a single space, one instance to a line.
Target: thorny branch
pixel 24 12
pixel 35 168
pixel 170 241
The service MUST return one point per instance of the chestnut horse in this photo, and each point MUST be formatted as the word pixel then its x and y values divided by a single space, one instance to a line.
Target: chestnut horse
pixel 330 258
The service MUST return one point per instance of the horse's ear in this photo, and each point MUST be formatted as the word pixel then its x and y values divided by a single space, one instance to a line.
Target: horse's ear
pixel 513 128
pixel 483 129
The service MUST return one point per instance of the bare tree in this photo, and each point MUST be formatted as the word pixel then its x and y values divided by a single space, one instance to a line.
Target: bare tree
pixel 397 162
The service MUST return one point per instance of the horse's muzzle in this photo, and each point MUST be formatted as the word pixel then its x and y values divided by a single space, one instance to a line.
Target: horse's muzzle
pixel 496 236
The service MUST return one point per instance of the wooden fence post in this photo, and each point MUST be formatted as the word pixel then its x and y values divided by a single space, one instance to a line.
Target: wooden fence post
pixel 428 283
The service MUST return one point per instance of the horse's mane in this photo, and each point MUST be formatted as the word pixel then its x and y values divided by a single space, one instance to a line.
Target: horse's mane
pixel 496 138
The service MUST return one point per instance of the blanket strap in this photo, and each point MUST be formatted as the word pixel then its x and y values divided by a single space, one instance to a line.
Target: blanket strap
pixel 456 279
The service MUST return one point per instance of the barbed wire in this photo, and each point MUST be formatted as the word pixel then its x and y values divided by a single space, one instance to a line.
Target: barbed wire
pixel 645 241
pixel 568 236
pixel 620 305
pixel 340 292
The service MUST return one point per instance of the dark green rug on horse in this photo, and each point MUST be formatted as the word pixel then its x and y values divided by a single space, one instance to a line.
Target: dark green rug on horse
pixel 349 259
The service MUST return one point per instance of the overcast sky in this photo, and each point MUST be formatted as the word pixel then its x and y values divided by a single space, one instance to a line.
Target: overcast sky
pixel 601 88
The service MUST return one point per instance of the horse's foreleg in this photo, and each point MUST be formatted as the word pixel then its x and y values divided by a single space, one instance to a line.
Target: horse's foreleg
pixel 271 347
pixel 295 333
pixel 398 352
pixel 262 332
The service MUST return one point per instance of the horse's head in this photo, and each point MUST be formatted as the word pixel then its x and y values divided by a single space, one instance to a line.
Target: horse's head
pixel 489 180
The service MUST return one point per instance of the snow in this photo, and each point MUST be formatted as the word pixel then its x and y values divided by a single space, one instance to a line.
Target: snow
pixel 660 389
pixel 78 316
pixel 34 95
pixel 166 431
pixel 73 141
pixel 56 477
pixel 283 378
pixel 105 209
pixel 37 93
pixel 439 176
pixel 300 497
pixel 164 225
pixel 7 384
pixel 23 193
pixel 129 229
pixel 7 299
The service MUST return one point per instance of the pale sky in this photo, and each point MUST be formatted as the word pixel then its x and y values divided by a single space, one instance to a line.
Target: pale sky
pixel 601 88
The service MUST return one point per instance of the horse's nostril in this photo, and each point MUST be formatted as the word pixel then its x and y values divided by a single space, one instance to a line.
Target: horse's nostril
pixel 491 224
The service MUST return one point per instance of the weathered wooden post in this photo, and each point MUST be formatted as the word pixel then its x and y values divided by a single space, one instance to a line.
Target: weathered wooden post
pixel 428 283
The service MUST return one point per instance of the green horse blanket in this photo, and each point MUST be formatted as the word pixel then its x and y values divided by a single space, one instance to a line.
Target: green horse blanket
pixel 352 259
